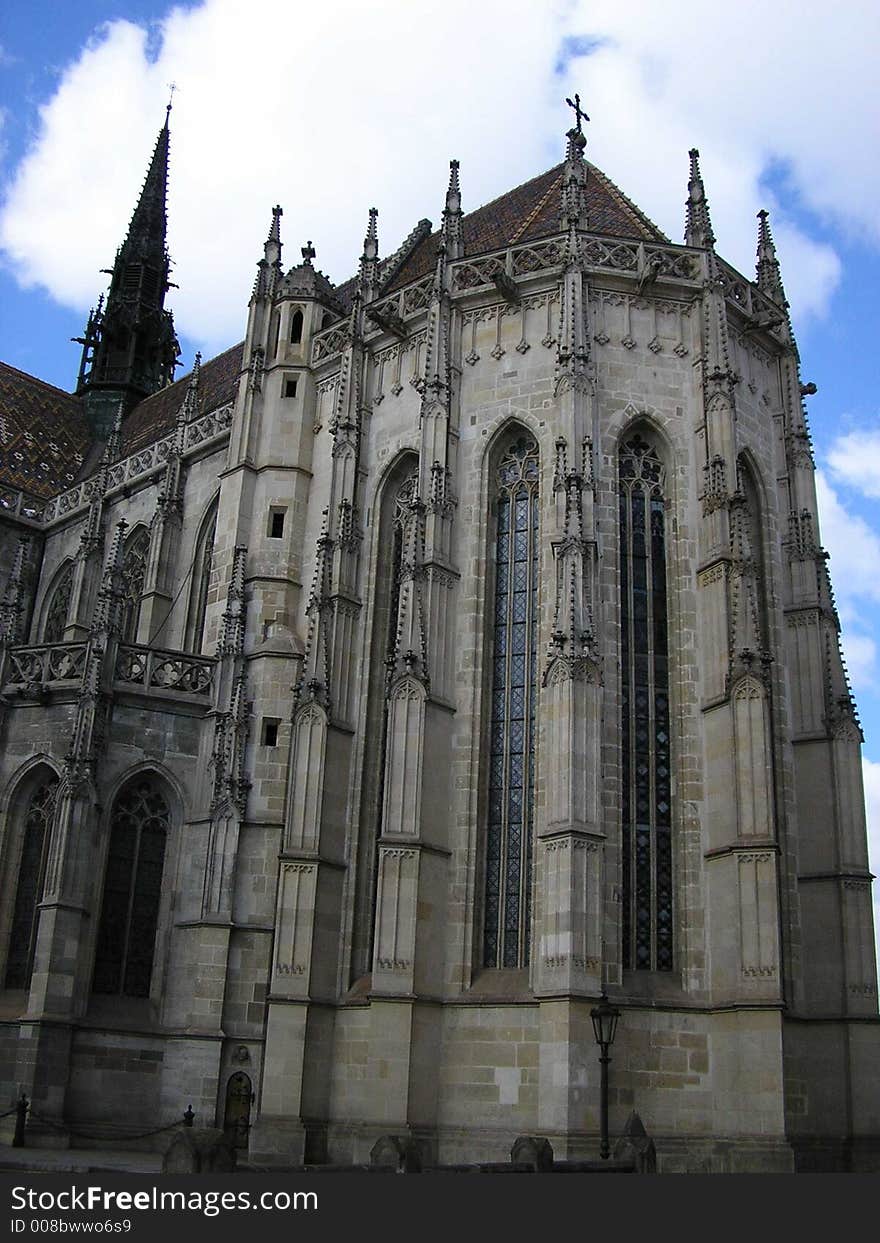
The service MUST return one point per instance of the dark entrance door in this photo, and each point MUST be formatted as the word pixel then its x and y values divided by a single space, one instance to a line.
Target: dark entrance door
pixel 237 1118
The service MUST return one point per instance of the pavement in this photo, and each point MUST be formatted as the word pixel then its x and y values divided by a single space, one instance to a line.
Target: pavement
pixel 79 1161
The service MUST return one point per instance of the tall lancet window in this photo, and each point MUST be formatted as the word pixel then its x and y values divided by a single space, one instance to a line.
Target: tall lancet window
pixel 393 512
pixel 512 728
pixel 132 889
pixel 58 606
pixel 134 571
pixel 31 876
pixel 202 566
pixel 645 736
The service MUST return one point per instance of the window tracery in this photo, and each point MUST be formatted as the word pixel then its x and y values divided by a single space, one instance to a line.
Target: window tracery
pixel 512 723
pixel 645 728
pixel 132 888
pixel 59 607
pixel 31 878
pixel 134 572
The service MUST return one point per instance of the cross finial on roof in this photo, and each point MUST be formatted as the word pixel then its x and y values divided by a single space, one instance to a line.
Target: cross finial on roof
pixel 172 87
pixel 578 111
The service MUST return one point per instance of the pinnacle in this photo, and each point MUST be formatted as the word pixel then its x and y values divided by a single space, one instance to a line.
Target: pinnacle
pixel 698 227
pixel 767 272
pixel 275 227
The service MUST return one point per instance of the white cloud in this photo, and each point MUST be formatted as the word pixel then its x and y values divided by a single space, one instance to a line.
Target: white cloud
pixel 854 459
pixel 351 106
pixel 855 573
pixel 854 546
pixel 860 653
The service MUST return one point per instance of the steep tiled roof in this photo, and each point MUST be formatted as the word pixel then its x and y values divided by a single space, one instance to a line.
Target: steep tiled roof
pixel 154 416
pixel 44 435
pixel 531 211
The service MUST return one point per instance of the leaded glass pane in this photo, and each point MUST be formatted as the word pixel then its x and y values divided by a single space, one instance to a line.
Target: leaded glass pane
pixel 31 876
pixel 646 801
pixel 512 729
pixel 134 572
pixel 204 563
pixel 59 606
pixel 132 891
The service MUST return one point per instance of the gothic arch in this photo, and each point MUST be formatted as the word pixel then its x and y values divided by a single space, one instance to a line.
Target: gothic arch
pixel 750 486
pixel 55 612
pixel 646 742
pixel 511 626
pixel 29 807
pixel 201 577
pixel 398 480
pixel 132 910
pixel 136 551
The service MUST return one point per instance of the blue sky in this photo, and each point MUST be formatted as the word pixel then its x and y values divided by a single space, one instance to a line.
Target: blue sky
pixel 292 106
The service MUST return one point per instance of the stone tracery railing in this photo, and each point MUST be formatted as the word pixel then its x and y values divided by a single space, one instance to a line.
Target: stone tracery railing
pixel 156 669
pixel 630 257
pixel 136 465
pixel 42 666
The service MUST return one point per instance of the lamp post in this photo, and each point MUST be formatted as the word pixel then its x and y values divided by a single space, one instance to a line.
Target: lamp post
pixel 604 1018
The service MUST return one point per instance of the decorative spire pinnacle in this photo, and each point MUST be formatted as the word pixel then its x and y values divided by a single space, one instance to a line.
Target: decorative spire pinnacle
pixel 768 275
pixel 698 226
pixel 452 236
pixel 574 196
pixel 308 253
pixel 577 140
pixel 190 405
pixel 370 258
pixel 269 267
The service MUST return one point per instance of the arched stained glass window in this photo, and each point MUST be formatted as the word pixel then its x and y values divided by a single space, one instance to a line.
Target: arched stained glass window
pixel 201 582
pixel 31 877
pixel 394 510
pixel 134 571
pixel 645 735
pixel 512 724
pixel 58 607
pixel 132 889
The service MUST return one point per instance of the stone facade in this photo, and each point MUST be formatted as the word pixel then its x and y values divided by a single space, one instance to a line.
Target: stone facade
pixel 300 681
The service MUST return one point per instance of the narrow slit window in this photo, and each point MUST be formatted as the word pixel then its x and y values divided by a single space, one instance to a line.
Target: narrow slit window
pixel 290 386
pixel 296 328
pixel 270 731
pixel 276 522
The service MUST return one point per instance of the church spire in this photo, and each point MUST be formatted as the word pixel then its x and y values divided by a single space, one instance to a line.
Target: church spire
pixel 767 272
pixel 129 347
pixel 698 227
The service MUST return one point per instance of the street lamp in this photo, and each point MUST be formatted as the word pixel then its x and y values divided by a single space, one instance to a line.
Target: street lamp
pixel 604 1018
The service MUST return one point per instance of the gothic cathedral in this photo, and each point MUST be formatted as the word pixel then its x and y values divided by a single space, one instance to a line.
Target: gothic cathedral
pixel 456 650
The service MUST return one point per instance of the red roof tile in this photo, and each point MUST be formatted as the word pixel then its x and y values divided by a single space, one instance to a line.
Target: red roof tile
pixel 44 435
pixel 531 211
pixel 155 416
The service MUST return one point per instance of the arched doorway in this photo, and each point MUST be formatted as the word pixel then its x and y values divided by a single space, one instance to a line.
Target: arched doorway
pixel 237 1115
